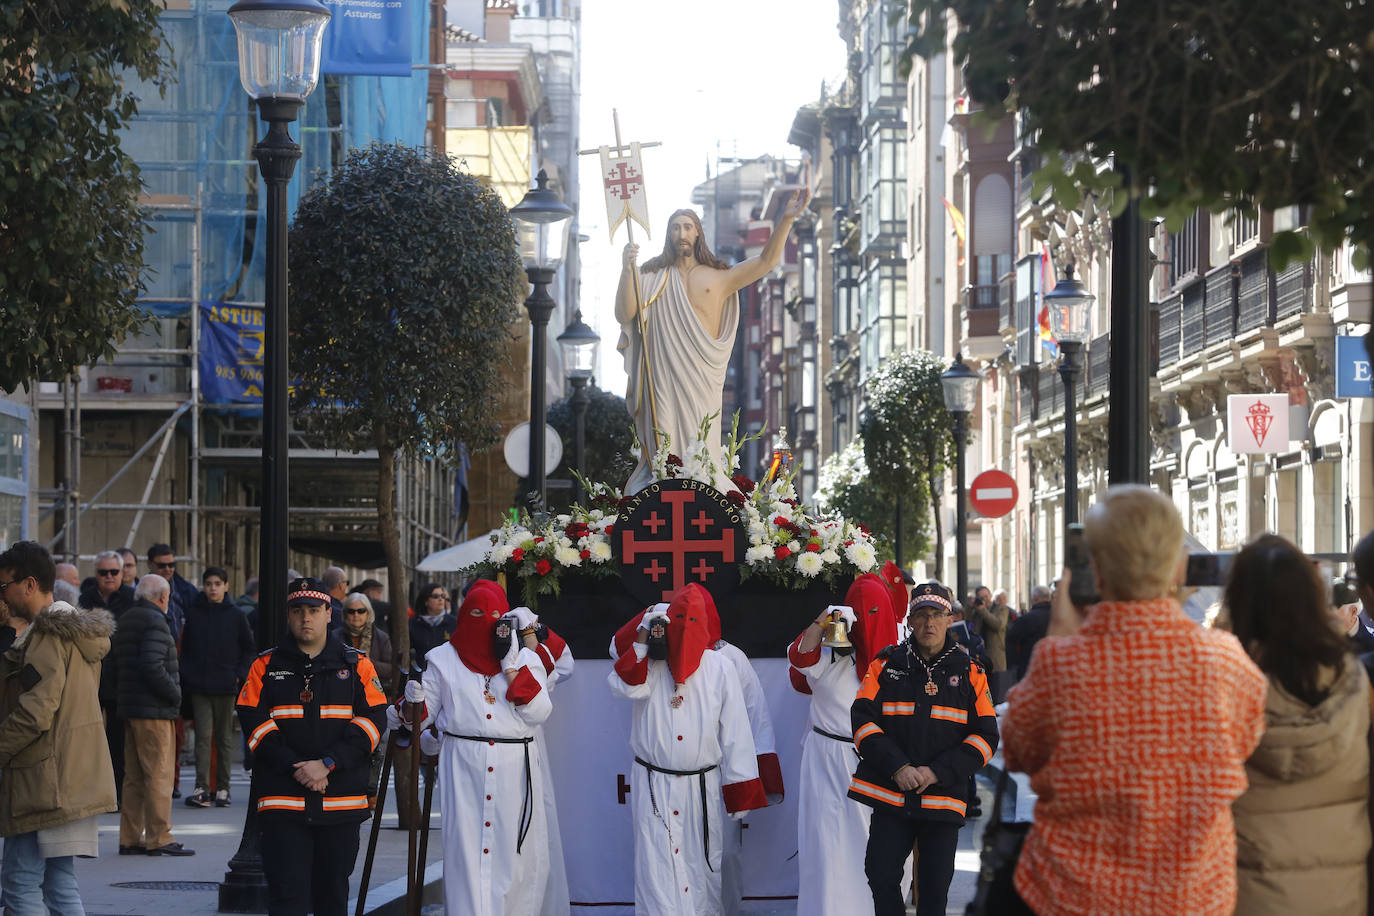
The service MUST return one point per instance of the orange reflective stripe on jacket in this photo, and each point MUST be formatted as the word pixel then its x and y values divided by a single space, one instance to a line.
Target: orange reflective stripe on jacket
pixel 982 696
pixel 252 687
pixel 869 688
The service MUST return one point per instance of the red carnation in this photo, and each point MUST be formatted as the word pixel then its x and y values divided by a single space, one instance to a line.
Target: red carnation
pixel 518 554
pixel 609 530
pixel 539 540
pixel 781 521
pixel 848 543
pixel 585 554
pixel 576 529
pixel 744 483
pixel 791 502
pixel 736 497
pixel 782 552
pixel 813 547
pixel 864 528
pixel 673 461
pixel 814 532
pixel 543 567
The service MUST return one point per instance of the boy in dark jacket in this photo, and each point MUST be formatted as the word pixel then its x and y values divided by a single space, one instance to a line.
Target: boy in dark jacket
pixel 149 700
pixel 216 649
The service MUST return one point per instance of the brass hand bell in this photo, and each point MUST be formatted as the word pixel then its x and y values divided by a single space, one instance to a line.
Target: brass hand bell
pixel 837 635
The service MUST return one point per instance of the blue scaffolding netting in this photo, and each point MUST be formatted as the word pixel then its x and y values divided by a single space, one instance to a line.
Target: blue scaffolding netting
pixel 194 146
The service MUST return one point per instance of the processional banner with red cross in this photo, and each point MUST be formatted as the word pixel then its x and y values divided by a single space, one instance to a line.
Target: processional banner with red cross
pixel 622 176
pixel 678 531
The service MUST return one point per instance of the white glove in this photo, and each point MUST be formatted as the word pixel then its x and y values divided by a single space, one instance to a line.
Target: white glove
pixel 415 692
pixel 652 614
pixel 512 654
pixel 394 719
pixel 846 613
pixel 524 617
pixel 738 815
pixel 429 743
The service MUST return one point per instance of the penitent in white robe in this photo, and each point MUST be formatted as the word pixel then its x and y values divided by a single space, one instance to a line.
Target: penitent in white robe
pixel 674 874
pixel 761 725
pixel 831 829
pixel 688 366
pixel 482 788
pixel 556 896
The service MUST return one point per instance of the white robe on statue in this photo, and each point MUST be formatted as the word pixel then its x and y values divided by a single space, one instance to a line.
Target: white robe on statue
pixel 688 364
pixel 674 874
pixel 832 830
pixel 482 788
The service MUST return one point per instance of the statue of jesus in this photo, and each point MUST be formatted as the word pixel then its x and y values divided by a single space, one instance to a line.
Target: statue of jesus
pixel 691 313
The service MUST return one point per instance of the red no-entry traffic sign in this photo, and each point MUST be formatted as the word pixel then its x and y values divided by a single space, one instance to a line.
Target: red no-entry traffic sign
pixel 993 493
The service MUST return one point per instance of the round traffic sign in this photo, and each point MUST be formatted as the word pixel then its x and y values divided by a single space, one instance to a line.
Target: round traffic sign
pixel 993 493
pixel 517 449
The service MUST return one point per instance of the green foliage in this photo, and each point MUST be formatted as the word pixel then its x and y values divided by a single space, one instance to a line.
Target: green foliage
pixel 71 230
pixel 906 431
pixel 844 487
pixel 608 445
pixel 1223 104
pixel 404 283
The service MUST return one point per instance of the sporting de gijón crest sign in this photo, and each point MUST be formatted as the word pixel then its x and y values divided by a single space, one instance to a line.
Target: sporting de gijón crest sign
pixel 678 531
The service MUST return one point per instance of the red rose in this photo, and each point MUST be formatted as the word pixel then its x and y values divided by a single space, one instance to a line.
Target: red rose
pixel 814 532
pixel 781 522
pixel 673 461
pixel 744 483
pixel 576 529
pixel 609 530
pixel 518 554
pixel 736 497
pixel 585 554
pixel 781 552
pixel 813 547
pixel 543 567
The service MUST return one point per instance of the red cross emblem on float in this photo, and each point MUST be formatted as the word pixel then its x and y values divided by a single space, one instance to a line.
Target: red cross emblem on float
pixel 623 181
pixel 678 531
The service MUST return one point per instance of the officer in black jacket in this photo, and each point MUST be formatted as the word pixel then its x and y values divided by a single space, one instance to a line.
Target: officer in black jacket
pixel 313 710
pixel 923 724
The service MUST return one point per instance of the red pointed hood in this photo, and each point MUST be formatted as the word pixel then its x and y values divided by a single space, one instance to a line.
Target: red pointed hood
pixel 689 635
pixel 712 620
pixel 874 629
pixel 485 604
pixel 896 588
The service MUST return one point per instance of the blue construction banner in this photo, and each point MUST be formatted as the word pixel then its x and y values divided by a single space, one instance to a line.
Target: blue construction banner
pixel 367 38
pixel 231 353
pixel 1354 378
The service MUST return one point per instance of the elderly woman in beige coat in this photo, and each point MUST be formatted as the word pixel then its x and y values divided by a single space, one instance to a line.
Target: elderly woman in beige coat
pixel 1302 827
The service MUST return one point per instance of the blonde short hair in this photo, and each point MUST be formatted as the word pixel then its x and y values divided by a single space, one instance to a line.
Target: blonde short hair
pixel 1135 535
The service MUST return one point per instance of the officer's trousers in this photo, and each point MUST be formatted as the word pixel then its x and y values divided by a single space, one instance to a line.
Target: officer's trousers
pixel 307 867
pixel 890 837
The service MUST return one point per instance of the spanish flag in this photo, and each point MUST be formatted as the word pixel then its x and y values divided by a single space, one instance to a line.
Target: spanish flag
pixel 960 226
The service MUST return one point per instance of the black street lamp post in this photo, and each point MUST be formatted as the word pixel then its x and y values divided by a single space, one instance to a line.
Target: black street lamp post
pixel 542 222
pixel 1070 308
pixel 961 394
pixel 279 64
pixel 580 345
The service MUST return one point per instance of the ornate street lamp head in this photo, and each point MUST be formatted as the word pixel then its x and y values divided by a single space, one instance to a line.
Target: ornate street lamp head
pixel 579 344
pixel 961 387
pixel 542 222
pixel 279 46
pixel 1070 308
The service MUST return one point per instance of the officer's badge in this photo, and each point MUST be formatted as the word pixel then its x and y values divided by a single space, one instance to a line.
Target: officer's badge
pixel 377 684
pixel 342 674
pixel 954 680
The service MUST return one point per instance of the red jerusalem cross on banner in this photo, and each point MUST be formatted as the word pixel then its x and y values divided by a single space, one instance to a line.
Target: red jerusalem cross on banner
pixel 678 531
pixel 622 176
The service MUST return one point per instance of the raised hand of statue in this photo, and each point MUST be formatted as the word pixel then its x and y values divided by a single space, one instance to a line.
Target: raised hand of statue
pixel 797 204
pixel 631 256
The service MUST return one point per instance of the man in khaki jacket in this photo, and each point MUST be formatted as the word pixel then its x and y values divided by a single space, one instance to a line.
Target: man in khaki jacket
pixel 55 772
